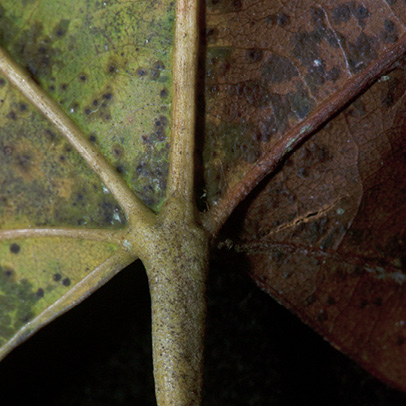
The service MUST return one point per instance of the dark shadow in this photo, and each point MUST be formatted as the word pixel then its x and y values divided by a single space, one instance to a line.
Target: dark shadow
pixel 259 354
pixel 200 196
pixel 98 353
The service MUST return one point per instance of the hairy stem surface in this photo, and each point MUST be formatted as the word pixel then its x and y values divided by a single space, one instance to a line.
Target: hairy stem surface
pixel 176 271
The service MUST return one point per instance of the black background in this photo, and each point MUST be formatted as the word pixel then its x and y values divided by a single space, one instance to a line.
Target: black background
pixel 257 353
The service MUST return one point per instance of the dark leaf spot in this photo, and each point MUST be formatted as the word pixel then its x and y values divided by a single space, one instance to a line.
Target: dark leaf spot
pixel 57 277
pixel 254 55
pixel 7 150
pixel 141 72
pixel 341 14
pixel 378 301
pixel 40 292
pixel 66 282
pixel 164 93
pixel 15 248
pixel 282 19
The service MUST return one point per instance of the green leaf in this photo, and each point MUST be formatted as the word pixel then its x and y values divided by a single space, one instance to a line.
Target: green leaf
pixel 112 77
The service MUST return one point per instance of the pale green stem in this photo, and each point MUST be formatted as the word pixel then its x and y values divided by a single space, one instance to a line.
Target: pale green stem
pixel 176 265
pixel 184 65
pixel 113 236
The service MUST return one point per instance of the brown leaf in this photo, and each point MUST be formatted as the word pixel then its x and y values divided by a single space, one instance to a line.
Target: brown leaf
pixel 325 235
pixel 276 73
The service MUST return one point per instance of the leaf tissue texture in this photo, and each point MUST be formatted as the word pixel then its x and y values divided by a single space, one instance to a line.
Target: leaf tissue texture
pixel 271 66
pixel 107 66
pixel 326 234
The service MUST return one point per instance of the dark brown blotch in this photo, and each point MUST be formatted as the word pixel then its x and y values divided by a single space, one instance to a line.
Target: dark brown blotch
pixel 15 248
pixel 57 277
pixel 341 14
pixel 40 292
pixel 61 28
pixel 66 282
pixel 254 55
pixel 164 93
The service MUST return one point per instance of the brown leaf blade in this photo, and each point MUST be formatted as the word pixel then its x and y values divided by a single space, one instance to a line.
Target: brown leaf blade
pixel 326 237
pixel 274 74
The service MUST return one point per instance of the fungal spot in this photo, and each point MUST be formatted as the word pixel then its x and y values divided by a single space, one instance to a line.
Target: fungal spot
pixel 64 86
pixel 211 35
pixel 310 300
pixel 7 150
pixel 92 138
pixel 341 14
pixel 278 69
pixel 9 273
pixel 390 32
pixel 164 93
pixel 40 292
pixel 331 301
pixel 400 340
pixel 120 168
pixel 282 19
pixel 254 55
pixel 2 82
pixel 88 111
pixel 23 107
pixel 363 304
pixel 15 248
pixel 118 151
pixel 322 316
pixel 83 77
pixel 107 96
pixel 141 72
pixel 66 282
pixel 301 103
pixel 95 103
pixel 11 115
pixel 61 28
pixel 112 67
pixel 361 53
pixel 360 12
pixel 378 302
pixel 252 91
pixel 57 277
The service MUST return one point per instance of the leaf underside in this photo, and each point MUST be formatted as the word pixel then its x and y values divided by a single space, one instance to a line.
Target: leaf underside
pixel 108 67
pixel 324 235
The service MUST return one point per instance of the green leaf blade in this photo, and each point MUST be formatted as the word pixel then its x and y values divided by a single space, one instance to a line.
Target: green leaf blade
pixel 109 73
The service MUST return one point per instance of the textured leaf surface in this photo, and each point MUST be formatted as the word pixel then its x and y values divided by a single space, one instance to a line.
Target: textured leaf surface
pixel 108 67
pixel 271 65
pixel 325 235
pixel 25 294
